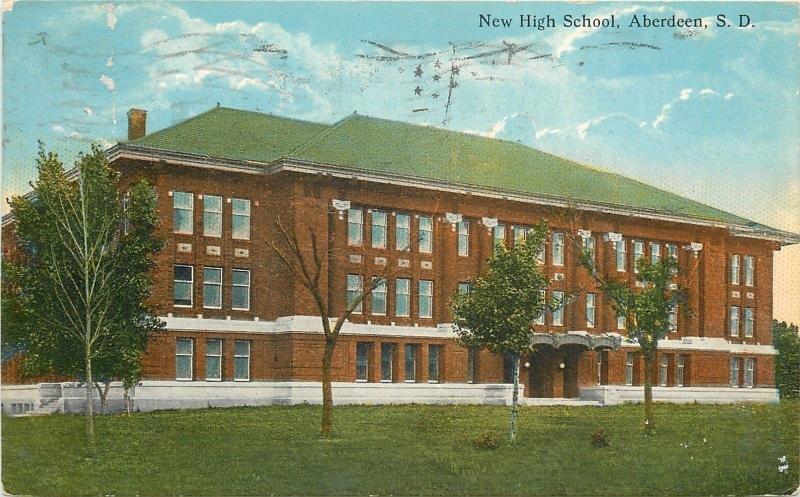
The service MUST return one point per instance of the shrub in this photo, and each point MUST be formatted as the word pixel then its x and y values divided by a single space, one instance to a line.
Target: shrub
pixel 486 441
pixel 787 364
pixel 599 439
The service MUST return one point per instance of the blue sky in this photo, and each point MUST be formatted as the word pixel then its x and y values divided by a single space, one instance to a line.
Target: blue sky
pixel 712 114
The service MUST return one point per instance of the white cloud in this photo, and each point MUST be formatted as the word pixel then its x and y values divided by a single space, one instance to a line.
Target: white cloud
pixel 88 111
pixel 58 128
pixel 108 82
pixel 684 96
pixel 544 132
pixel 111 19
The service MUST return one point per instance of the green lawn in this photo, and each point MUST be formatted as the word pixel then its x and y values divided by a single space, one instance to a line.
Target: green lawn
pixel 407 450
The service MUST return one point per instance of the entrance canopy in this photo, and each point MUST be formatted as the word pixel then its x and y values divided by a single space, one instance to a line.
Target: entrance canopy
pixel 581 338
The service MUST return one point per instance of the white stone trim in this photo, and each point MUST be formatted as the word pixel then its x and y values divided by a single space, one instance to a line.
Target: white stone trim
pixel 619 394
pixel 706 344
pixel 313 324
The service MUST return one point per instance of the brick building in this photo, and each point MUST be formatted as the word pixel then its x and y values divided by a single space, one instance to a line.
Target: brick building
pixel 426 207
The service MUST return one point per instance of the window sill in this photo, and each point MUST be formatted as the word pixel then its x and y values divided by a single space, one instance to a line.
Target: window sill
pixel 410 381
pixel 242 379
pixel 214 308
pixel 213 379
pixel 386 381
pixel 239 308
pixel 433 381
pixel 361 381
pixel 182 306
pixel 184 379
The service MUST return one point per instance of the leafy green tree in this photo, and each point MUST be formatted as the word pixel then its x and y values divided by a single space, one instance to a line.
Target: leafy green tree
pixel 786 339
pixel 647 307
pixel 502 305
pixel 74 300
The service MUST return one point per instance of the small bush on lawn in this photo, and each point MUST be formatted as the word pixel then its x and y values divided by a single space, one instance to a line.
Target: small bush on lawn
pixel 486 441
pixel 599 439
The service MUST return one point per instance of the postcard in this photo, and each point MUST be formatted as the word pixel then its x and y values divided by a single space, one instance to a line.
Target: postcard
pixel 400 248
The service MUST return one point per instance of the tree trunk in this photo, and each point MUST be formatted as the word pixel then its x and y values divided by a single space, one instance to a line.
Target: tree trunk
pixel 649 422
pixel 103 393
pixel 89 398
pixel 327 390
pixel 514 401
pixel 127 396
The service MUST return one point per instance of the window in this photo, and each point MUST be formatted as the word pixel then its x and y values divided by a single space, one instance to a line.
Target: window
pixel 402 291
pixel 733 320
pixel 748 322
pixel 558 314
pixel 734 270
pixel 558 249
pixel 354 288
pixel 672 253
pixel 588 247
pixel 241 360
pixel 543 299
pixel 378 306
pixel 734 372
pixel 240 290
pixel 411 362
pixel 749 371
pixel 126 204
pixel 241 219
pixel 425 298
pixel 655 253
pixel 472 364
pixel 749 270
pixel 355 226
pixel 673 319
pixel 212 288
pixel 663 368
pixel 182 212
pixel 638 254
pixel 680 370
pixel 214 360
pixel 622 321
pixel 212 215
pixel 463 238
pixel 463 288
pixel 434 353
pixel 426 234
pixel 499 236
pixel 184 352
pixel 590 304
pixel 183 286
pixel 378 229
pixel 387 357
pixel 362 360
pixel 621 255
pixel 520 233
pixel 629 368
pixel 402 232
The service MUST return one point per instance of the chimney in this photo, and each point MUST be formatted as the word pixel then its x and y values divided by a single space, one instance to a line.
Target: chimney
pixel 137 123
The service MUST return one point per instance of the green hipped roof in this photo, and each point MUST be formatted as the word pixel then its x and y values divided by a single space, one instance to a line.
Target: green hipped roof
pixel 234 134
pixel 425 152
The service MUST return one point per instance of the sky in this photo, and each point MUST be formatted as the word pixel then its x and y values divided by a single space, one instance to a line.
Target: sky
pixel 709 113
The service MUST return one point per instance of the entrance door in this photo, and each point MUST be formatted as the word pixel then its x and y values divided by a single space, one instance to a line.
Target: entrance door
pixel 571 375
pixel 540 374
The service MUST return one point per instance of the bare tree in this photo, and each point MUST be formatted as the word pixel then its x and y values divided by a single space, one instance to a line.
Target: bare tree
pixel 309 269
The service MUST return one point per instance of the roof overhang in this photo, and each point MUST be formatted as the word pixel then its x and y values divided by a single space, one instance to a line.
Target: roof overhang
pixel 135 152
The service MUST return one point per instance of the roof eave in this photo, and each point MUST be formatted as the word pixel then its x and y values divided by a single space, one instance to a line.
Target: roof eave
pixel 138 152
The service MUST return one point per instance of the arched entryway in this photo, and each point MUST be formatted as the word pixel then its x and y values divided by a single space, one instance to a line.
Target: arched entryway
pixel 554 361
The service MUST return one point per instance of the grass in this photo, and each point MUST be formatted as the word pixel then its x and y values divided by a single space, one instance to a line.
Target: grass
pixel 407 450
